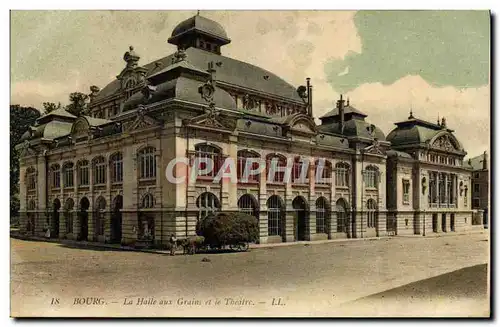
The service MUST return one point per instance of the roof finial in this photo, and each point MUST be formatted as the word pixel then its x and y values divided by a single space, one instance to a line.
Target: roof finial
pixel 438 122
pixel 347 104
pixel 198 13
pixel 411 114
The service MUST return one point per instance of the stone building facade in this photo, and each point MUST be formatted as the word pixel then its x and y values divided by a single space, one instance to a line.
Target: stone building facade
pixel 480 184
pixel 102 176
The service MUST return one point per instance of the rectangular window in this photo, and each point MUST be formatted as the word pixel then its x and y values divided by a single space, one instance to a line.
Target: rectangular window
pixel 56 178
pixel 476 188
pixel 83 176
pixel 370 178
pixel 68 177
pixel 476 203
pixel 406 191
pixel 342 175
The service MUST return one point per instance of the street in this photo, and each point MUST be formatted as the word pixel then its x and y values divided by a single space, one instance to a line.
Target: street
pixel 331 279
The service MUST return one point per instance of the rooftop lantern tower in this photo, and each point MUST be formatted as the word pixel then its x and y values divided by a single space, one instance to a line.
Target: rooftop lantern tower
pixel 199 32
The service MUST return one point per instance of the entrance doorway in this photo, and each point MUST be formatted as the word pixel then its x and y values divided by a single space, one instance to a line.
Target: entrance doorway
pixel 84 219
pixel 116 220
pixel 443 222
pixel 435 222
pixel 56 205
pixel 452 222
pixel 301 212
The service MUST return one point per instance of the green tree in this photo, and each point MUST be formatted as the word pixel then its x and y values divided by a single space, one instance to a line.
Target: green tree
pixel 21 118
pixel 77 103
pixel 51 106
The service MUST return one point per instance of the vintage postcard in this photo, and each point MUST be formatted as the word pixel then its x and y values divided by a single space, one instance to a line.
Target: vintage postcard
pixel 250 163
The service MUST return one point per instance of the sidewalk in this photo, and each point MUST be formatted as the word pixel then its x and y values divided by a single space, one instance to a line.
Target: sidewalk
pixel 88 244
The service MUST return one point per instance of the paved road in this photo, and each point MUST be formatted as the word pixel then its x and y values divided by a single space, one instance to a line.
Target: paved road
pixel 314 280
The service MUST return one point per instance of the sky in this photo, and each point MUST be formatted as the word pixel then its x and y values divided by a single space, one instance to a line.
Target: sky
pixel 436 63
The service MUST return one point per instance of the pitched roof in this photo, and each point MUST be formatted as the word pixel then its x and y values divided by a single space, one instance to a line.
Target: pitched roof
pixel 347 110
pixel 230 71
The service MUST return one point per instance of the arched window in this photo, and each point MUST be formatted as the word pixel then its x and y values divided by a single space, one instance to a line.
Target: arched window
pixel 207 203
pixel 322 215
pixel 275 168
pixel 246 161
pixel 274 215
pixel 83 173
pixel 148 201
pixel 300 170
pixel 342 174
pixel 147 163
pixel 68 214
pixel 248 205
pixel 323 171
pixel 68 174
pixel 99 170
pixel 116 161
pixel 31 178
pixel 206 153
pixel 55 171
pixel 371 207
pixel 371 177
pixel 100 216
pixel 341 207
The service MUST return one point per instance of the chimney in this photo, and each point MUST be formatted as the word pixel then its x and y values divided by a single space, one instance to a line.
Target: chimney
pixel 485 161
pixel 309 97
pixel 340 106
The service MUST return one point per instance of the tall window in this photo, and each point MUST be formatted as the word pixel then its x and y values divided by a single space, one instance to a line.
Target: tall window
pixel 248 205
pixel 442 190
pixel 476 188
pixel 99 170
pixel 324 168
pixel 371 206
pixel 341 216
pixel 432 187
pixel 322 215
pixel 207 203
pixel 406 191
pixel 244 163
pixel 148 201
pixel 342 174
pixel 466 193
pixel 100 216
pixel 68 175
pixel 31 178
pixel 274 213
pixel 83 173
pixel 300 164
pixel 56 176
pixel 147 163
pixel 116 168
pixel 278 162
pixel 371 173
pixel 205 154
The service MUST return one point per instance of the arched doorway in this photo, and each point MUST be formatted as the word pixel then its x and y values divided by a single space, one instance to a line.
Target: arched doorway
pixel 83 217
pixel 100 217
pixel 249 205
pixel 342 221
pixel 116 220
pixel 56 205
pixel 207 203
pixel 301 209
pixel 322 216
pixel 275 214
pixel 371 218
pixel 68 215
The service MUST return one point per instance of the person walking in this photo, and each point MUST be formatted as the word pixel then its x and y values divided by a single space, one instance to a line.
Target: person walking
pixel 173 244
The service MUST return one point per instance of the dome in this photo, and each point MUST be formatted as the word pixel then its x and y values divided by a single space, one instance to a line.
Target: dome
pixel 354 127
pixel 199 24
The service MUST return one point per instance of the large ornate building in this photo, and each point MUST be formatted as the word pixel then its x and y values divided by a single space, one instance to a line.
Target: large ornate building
pixel 101 176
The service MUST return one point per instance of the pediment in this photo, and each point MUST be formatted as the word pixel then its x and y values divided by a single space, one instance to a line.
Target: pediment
pixel 301 124
pixel 211 120
pixel 80 127
pixel 142 122
pixel 375 148
pixel 445 142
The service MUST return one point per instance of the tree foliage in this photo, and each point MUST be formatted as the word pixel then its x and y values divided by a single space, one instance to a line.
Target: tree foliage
pixel 226 228
pixel 78 103
pixel 21 118
pixel 48 107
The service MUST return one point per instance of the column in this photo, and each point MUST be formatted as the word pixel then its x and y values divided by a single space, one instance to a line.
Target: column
pixel 311 225
pixel 229 189
pixel 333 207
pixel 109 197
pixel 382 207
pixel 446 189
pixel 40 219
pixel 129 214
pixel 263 223
pixel 290 232
pixel 91 215
pixel 62 217
pixel 438 186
